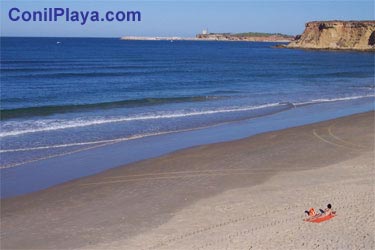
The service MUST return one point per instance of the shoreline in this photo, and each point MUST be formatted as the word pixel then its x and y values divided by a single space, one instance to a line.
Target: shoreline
pixel 152 202
pixel 285 46
pixel 46 173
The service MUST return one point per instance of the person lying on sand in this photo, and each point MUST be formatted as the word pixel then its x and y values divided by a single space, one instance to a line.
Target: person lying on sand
pixel 324 215
pixel 311 212
pixel 327 211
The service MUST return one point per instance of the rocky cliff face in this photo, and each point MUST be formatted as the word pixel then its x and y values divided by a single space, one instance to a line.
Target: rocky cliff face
pixel 354 35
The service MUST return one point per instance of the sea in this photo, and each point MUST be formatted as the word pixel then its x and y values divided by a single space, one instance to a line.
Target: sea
pixel 65 96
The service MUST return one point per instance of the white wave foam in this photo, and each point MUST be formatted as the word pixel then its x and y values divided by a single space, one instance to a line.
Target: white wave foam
pixel 86 143
pixel 323 100
pixel 48 125
pixel 51 125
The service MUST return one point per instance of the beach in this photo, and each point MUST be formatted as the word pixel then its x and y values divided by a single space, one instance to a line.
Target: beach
pixel 244 194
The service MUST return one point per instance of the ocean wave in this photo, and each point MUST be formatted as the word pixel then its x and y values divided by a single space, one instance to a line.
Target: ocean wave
pixel 324 100
pixel 220 92
pixel 15 128
pixel 77 67
pixel 143 72
pixel 99 142
pixel 49 110
pixel 91 145
pixel 358 74
pixel 368 87
pixel 50 125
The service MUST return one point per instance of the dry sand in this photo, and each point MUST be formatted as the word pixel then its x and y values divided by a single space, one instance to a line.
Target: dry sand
pixel 245 194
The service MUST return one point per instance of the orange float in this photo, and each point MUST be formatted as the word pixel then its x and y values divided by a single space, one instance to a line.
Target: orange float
pixel 320 217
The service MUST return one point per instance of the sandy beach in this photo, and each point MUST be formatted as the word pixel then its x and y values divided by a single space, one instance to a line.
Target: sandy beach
pixel 244 194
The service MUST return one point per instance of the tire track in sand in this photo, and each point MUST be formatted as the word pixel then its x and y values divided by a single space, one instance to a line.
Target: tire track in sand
pixel 330 138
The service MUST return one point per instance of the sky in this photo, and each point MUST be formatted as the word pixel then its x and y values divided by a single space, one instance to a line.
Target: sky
pixel 185 18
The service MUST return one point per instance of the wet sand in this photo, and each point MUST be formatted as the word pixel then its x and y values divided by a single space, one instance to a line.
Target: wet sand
pixel 245 194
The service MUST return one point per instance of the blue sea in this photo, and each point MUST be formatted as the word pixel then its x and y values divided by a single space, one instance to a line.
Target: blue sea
pixel 62 96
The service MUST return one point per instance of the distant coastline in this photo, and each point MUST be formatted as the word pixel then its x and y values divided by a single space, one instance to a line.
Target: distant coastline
pixel 157 38
pixel 245 37
pixel 320 35
pixel 205 36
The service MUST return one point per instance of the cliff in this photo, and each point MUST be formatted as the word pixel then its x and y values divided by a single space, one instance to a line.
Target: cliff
pixel 352 35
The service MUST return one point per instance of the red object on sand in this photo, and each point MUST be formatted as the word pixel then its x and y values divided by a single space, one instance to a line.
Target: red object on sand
pixel 321 218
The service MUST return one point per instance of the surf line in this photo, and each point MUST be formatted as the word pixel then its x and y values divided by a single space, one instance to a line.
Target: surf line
pixel 113 140
pixel 101 144
pixel 53 156
pixel 97 142
pixel 141 118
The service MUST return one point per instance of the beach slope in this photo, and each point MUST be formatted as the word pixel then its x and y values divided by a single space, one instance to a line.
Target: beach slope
pixel 245 194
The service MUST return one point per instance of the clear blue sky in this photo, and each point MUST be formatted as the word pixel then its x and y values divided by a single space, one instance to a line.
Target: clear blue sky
pixel 187 17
